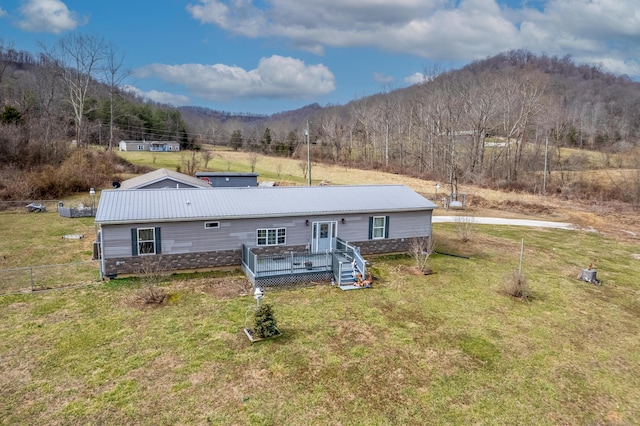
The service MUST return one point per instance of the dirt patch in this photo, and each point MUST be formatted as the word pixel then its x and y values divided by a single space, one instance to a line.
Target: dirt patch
pixel 220 287
pixel 511 205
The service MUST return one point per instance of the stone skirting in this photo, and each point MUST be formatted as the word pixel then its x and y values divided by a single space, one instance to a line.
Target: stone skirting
pixel 383 246
pixel 190 261
pixel 266 250
pixel 171 262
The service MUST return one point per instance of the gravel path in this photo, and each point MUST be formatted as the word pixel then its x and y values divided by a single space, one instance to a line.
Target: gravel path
pixel 503 221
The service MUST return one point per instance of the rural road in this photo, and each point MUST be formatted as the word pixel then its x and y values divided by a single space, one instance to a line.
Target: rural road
pixel 503 221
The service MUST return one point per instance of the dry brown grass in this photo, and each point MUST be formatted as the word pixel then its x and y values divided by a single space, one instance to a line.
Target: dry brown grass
pixel 612 218
pixel 225 287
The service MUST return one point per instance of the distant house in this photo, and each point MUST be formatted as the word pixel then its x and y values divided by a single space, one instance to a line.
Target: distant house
pixel 162 178
pixel 153 146
pixel 228 179
pixel 189 229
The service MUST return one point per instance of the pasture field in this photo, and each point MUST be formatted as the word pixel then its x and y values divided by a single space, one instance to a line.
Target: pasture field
pixel 446 348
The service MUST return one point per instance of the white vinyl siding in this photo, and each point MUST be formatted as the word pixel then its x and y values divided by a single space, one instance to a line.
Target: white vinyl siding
pixel 192 237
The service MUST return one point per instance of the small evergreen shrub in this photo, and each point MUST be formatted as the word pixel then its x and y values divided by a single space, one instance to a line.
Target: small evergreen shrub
pixel 264 324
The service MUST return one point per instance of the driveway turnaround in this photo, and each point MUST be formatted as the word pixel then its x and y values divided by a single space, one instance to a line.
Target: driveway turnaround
pixel 503 221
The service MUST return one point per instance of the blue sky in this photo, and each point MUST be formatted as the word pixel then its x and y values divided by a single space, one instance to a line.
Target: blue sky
pixel 275 55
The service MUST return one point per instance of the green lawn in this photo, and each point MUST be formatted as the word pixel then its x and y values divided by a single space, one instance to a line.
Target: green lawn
pixel 448 348
pixel 30 239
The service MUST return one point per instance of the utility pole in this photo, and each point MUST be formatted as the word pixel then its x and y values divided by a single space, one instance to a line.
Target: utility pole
pixel 308 153
pixel 521 254
pixel 546 156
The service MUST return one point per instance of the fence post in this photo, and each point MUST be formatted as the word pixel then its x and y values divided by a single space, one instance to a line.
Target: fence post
pixel 31 277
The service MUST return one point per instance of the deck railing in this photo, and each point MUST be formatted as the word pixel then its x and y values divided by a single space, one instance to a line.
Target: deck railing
pixel 261 266
pixel 354 253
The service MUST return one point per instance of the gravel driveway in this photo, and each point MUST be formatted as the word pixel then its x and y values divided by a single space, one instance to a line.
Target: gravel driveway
pixel 503 221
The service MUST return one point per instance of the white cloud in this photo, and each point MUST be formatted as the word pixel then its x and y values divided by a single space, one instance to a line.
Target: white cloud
pixel 613 64
pixel 605 32
pixel 437 29
pixel 160 97
pixel 426 28
pixel 48 16
pixel 381 78
pixel 275 77
pixel 2 12
pixel 415 78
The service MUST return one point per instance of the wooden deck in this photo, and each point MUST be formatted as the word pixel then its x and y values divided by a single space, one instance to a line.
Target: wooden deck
pixel 290 268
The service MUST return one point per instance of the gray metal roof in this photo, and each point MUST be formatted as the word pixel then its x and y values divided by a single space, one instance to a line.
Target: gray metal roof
pixel 160 174
pixel 224 174
pixel 170 205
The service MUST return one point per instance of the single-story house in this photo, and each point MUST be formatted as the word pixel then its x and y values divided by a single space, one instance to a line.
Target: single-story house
pixel 162 178
pixel 228 179
pixel 154 146
pixel 190 229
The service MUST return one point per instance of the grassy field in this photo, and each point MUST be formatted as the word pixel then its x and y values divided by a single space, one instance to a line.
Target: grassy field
pixel 447 348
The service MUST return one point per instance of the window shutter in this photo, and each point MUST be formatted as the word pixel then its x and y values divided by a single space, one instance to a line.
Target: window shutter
pixel 158 244
pixel 386 227
pixel 134 242
pixel 370 227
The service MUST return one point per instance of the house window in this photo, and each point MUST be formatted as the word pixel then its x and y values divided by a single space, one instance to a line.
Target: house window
pixel 211 225
pixel 146 241
pixel 271 237
pixel 378 228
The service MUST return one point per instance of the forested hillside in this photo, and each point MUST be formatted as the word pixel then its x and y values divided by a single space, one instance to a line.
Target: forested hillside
pixel 500 121
pixel 63 100
pixel 493 122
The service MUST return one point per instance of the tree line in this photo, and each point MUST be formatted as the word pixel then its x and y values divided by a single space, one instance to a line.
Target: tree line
pixel 72 90
pixel 498 121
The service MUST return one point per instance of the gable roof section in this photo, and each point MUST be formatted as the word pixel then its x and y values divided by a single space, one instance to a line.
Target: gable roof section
pixel 226 174
pixel 160 174
pixel 174 205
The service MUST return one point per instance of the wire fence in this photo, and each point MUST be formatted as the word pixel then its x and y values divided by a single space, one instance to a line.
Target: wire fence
pixel 27 206
pixel 46 277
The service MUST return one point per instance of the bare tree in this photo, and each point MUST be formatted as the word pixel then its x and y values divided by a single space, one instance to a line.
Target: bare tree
pixel 520 96
pixel 421 249
pixel 465 224
pixel 480 108
pixel 206 156
pixel 190 163
pixel 114 75
pixel 46 121
pixel 150 276
pixel 253 160
pixel 304 167
pixel 79 58
pixel 4 60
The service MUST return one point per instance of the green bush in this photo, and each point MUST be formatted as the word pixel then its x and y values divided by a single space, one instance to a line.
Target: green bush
pixel 264 324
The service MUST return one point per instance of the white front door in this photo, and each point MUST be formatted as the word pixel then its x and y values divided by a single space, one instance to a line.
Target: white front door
pixel 324 236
